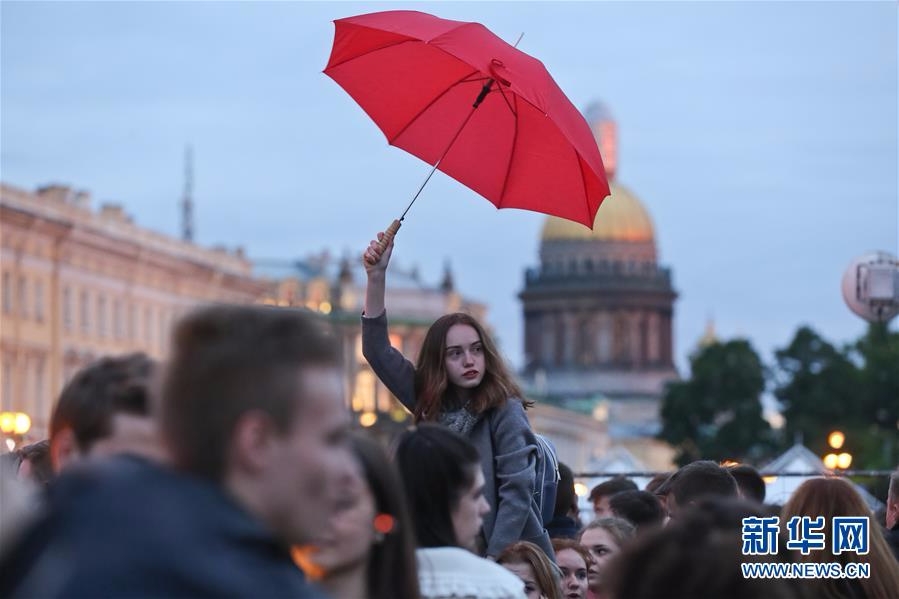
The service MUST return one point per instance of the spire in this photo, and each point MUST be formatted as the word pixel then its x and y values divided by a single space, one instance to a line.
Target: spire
pixel 447 284
pixel 187 203
pixel 709 336
pixel 605 131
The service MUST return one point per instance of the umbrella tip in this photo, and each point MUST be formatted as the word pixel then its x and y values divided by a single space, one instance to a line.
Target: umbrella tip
pixel 519 39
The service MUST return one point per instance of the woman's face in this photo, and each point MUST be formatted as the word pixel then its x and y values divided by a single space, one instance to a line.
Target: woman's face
pixel 465 365
pixel 349 536
pixel 525 572
pixel 469 513
pixel 574 574
pixel 601 546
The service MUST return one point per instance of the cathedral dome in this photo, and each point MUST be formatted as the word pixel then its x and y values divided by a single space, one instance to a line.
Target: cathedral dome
pixel 620 217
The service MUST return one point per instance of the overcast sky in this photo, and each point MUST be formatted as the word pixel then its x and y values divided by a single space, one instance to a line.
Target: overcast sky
pixel 762 138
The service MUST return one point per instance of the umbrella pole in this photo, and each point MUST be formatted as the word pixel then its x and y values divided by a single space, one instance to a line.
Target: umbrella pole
pixel 391 231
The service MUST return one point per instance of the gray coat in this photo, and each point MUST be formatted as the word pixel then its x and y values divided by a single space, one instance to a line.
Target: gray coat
pixel 503 438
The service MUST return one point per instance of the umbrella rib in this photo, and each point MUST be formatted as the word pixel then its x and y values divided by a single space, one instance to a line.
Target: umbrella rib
pixel 502 195
pixel 367 52
pixel 390 140
pixel 500 87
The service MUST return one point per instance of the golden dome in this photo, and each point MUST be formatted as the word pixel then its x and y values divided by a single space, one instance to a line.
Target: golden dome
pixel 620 217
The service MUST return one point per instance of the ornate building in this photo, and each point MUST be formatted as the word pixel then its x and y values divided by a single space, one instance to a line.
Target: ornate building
pixel 78 284
pixel 598 310
pixel 336 289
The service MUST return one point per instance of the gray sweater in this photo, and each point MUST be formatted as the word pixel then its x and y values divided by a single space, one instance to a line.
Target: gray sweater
pixel 503 438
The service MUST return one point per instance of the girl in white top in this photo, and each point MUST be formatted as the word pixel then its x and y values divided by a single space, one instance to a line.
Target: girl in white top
pixel 445 486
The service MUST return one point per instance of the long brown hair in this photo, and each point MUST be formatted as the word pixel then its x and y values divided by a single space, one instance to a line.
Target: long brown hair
pixel 392 571
pixel 831 497
pixel 528 553
pixel 432 384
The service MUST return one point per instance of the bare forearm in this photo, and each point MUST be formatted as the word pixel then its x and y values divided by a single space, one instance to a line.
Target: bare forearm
pixel 374 293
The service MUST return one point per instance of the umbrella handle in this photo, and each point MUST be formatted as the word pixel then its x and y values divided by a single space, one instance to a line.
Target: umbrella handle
pixel 388 236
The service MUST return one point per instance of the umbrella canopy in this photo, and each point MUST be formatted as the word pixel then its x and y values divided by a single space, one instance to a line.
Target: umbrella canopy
pixel 417 76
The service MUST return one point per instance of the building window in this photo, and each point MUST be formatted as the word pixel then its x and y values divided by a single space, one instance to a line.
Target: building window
pixel 132 322
pixel 7 293
pixel 39 389
pixel 39 301
pixel 148 326
pixel 117 324
pixel 23 296
pixel 85 312
pixel 7 386
pixel 101 316
pixel 67 308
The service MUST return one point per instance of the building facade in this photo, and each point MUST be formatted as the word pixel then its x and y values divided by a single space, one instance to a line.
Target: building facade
pixel 598 313
pixel 335 288
pixel 79 283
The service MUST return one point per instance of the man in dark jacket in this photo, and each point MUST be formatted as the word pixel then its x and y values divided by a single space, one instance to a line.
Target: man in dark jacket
pixel 253 418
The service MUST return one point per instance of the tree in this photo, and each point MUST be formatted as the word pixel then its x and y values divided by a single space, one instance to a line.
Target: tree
pixel 817 386
pixel 854 390
pixel 717 413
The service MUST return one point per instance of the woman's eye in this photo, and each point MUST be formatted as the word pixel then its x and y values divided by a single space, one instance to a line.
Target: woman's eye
pixel 581 575
pixel 476 349
pixel 453 353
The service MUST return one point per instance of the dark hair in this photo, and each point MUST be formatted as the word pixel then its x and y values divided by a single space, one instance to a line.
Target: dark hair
pixel 750 482
pixel 566 498
pixel 654 485
pixel 612 486
pixel 119 384
pixel 392 571
pixel 38 455
pixel 431 381
pixel 692 556
pixel 530 554
pixel 228 360
pixel 701 478
pixel 437 466
pixel 640 508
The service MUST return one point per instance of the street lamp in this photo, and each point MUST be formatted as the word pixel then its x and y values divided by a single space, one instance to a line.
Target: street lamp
pixel 14 426
pixel 836 439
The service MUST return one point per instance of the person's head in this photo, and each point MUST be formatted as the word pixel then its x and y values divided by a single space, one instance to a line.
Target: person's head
pixel 696 480
pixel 530 564
pixel 830 497
pixel 892 516
pixel 566 498
pixel 691 557
pixel 749 481
pixel 653 485
pixel 444 483
pixel 640 508
pixel 105 409
pixel 253 400
pixel 371 529
pixel 603 538
pixel 601 493
pixel 458 354
pixel 574 561
pixel 36 465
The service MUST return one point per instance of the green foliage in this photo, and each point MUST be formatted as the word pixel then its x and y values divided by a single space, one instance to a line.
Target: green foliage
pixel 854 389
pixel 717 413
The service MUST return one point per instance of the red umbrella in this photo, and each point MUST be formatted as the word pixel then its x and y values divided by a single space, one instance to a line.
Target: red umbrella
pixel 483 112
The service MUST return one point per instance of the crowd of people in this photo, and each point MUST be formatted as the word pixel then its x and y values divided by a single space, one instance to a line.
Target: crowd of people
pixel 232 470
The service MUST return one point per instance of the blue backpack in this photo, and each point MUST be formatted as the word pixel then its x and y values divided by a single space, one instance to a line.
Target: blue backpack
pixel 547 479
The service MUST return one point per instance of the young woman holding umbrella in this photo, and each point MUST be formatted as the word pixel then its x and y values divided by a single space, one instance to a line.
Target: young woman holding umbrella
pixel 462 382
